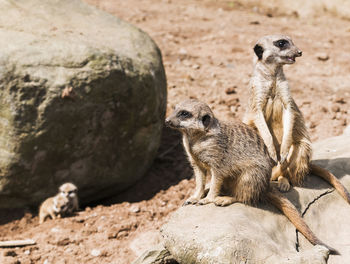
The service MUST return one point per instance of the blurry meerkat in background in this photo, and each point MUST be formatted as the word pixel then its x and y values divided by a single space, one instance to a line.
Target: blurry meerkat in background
pixel 53 207
pixel 70 191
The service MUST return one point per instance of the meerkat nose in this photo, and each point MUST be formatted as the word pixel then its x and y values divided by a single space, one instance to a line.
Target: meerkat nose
pixel 300 53
pixel 167 122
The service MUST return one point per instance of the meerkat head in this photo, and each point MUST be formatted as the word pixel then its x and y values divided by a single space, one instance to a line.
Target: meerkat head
pixel 191 116
pixel 60 203
pixel 276 49
pixel 68 190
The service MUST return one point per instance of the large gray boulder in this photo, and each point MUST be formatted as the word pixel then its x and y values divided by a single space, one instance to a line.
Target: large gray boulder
pixel 82 99
pixel 245 234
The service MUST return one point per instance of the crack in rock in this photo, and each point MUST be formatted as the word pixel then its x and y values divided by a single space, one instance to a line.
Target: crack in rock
pixel 297 245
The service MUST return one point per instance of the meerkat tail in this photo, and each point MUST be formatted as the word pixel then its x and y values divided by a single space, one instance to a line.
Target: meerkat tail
pixel 331 179
pixel 289 210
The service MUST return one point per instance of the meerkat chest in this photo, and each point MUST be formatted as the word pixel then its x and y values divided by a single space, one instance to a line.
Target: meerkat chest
pixel 203 151
pixel 274 116
pixel 274 108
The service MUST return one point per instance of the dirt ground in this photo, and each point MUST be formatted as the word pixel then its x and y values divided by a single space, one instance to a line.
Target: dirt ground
pixel 207 54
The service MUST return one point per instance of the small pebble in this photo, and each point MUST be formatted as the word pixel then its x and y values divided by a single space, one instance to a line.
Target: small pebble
pixel 335 108
pixel 196 66
pixel 182 51
pixel 55 230
pixel 95 252
pixel 134 209
pixel 340 100
pixel 230 90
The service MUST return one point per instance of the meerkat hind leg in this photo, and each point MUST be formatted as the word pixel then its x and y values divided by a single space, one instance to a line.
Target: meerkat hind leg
pixel 277 174
pixel 281 173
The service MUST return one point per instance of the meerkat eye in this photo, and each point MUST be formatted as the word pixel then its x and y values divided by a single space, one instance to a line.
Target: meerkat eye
pixel 282 43
pixel 184 114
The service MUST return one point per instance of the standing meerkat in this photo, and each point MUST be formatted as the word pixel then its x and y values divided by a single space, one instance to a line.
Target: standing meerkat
pixel 236 158
pixel 53 207
pixel 273 112
pixel 70 191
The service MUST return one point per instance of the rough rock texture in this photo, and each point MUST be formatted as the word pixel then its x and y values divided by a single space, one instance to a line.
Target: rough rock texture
pixel 347 131
pixel 104 133
pixel 244 234
pixel 145 241
pixel 157 255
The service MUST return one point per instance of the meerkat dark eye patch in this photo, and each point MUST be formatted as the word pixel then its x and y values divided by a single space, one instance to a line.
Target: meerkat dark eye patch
pixel 183 114
pixel 281 43
pixel 258 51
pixel 206 120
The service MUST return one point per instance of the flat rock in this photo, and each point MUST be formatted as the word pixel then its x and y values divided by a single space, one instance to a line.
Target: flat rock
pixel 155 255
pixel 245 234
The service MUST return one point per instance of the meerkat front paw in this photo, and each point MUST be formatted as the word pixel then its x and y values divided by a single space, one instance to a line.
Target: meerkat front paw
pixel 206 201
pixel 283 184
pixel 191 200
pixel 224 200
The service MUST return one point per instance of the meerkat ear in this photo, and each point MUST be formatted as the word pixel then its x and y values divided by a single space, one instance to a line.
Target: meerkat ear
pixel 206 120
pixel 258 51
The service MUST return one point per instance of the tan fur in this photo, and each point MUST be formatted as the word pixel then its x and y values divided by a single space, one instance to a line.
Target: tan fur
pixel 235 157
pixel 70 191
pixel 275 115
pixel 53 207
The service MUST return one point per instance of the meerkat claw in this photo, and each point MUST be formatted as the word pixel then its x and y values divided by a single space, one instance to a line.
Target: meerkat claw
pixel 190 201
pixel 283 184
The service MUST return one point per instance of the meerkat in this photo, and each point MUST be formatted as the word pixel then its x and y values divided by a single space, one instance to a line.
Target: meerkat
pixel 235 157
pixel 70 191
pixel 53 207
pixel 275 115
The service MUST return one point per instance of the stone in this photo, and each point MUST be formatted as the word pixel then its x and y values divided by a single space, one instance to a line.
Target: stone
pixel 95 252
pixel 83 99
pixel 144 242
pixel 157 255
pixel 246 234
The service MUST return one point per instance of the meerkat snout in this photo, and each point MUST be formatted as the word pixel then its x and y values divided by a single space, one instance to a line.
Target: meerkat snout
pixel 168 122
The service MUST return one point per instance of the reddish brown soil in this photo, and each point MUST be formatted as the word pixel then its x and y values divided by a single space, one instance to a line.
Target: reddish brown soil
pixel 207 53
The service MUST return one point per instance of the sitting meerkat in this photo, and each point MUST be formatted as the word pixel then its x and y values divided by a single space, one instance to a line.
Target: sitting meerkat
pixel 70 191
pixel 275 115
pixel 54 207
pixel 237 159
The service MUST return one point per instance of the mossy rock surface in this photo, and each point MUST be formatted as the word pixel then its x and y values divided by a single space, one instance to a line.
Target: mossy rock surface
pixel 104 135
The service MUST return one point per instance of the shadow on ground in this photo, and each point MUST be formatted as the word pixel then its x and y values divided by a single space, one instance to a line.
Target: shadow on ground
pixel 169 168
